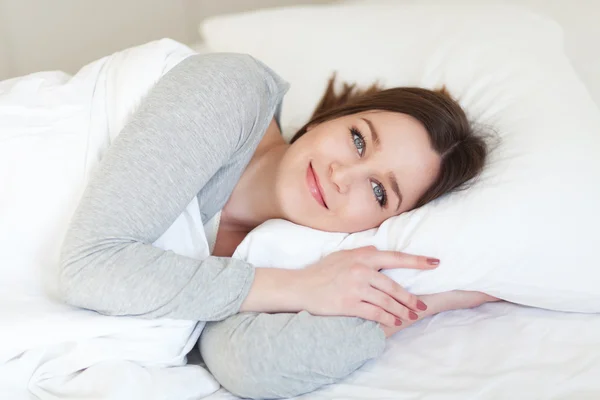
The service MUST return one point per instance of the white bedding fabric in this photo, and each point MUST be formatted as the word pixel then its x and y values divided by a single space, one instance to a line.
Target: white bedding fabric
pixel 497 351
pixel 578 18
pixel 53 130
pixel 49 351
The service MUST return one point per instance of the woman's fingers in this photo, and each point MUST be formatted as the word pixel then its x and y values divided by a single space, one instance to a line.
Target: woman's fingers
pixel 350 283
pixel 397 294
pixel 379 259
pixel 377 314
pixel 390 305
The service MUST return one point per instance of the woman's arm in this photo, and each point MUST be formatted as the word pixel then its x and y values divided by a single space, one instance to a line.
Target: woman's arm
pixel 285 355
pixel 207 112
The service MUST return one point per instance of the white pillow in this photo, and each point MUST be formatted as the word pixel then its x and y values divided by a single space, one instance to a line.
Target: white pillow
pixel 527 231
pixel 579 21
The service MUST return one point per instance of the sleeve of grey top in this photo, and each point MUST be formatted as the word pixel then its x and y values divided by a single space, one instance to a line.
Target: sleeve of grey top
pixel 199 116
pixel 262 356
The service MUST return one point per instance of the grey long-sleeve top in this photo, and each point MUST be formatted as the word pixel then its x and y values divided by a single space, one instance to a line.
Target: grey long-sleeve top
pixel 192 135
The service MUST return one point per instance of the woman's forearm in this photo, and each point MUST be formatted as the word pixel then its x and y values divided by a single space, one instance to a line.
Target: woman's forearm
pixel 274 290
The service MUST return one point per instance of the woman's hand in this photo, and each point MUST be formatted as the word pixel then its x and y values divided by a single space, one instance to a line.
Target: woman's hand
pixel 346 283
pixel 446 301
pixel 349 283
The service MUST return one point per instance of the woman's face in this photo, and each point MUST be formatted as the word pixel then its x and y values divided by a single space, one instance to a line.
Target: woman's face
pixel 352 173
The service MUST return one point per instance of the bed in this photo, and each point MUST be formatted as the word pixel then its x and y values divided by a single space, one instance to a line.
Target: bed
pixel 50 351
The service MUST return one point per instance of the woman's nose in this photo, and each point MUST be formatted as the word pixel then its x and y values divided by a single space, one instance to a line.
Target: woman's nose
pixel 343 175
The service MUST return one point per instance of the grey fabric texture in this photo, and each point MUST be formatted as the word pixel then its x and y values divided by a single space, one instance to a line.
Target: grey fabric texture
pixel 267 356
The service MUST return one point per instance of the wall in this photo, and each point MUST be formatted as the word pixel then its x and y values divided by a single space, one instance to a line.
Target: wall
pixel 65 34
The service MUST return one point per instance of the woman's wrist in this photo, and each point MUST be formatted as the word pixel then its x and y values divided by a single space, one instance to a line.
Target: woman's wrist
pixel 275 290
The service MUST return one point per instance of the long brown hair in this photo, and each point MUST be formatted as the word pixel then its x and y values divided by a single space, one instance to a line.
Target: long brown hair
pixel 452 136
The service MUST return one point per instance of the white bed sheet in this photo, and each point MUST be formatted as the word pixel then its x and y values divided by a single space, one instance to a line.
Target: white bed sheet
pixel 497 351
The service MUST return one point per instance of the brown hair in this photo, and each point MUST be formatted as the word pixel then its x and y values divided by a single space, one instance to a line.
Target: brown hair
pixel 452 136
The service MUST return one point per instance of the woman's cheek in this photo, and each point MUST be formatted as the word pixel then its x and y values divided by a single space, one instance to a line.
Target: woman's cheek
pixel 338 143
pixel 362 210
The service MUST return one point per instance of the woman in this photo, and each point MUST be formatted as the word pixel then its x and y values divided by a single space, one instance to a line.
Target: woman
pixel 209 129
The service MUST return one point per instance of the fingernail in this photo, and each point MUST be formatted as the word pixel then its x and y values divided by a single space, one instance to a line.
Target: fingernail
pixel 433 261
pixel 398 322
pixel 413 315
pixel 421 306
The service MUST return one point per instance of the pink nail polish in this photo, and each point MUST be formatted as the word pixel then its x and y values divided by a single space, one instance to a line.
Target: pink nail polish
pixel 398 322
pixel 433 261
pixel 413 316
pixel 421 306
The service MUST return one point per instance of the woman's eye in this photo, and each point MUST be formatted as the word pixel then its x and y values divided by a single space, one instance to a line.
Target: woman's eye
pixel 379 192
pixel 359 141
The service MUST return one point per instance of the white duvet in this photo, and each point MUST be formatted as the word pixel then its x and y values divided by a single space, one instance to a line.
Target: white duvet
pixel 53 130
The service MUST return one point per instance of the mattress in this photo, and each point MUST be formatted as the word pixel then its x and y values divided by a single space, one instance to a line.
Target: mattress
pixel 496 351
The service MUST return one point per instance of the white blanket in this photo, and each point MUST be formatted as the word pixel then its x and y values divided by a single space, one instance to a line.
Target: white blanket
pixel 54 129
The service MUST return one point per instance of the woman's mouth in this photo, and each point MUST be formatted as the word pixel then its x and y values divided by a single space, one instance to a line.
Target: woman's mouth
pixel 314 187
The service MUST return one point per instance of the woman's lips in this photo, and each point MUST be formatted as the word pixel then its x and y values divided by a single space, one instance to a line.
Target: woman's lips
pixel 314 187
